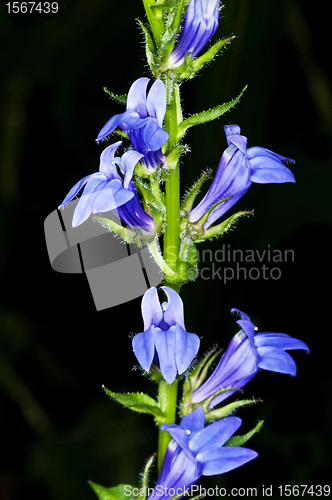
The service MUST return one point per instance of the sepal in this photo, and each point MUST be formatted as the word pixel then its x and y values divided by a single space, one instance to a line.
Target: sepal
pixel 207 116
pixel 139 402
pixel 196 377
pixel 227 409
pixel 221 228
pixel 120 492
pixel 145 478
pixel 210 53
pixel 119 98
pixel 192 193
pixel 127 234
pixel 241 440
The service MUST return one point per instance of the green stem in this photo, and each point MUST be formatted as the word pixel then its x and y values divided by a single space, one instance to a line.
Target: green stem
pixel 173 117
pixel 167 403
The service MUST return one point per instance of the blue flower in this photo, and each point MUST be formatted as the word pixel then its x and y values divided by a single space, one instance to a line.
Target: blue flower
pixel 165 339
pixel 143 121
pixel 237 170
pixel 107 189
pixel 246 354
pixel 197 451
pixel 200 24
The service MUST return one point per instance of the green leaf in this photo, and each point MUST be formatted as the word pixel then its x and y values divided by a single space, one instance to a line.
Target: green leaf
pixel 207 116
pixel 155 20
pixel 149 48
pixel 137 401
pixel 120 492
pixel 241 440
pixel 120 98
pixel 227 409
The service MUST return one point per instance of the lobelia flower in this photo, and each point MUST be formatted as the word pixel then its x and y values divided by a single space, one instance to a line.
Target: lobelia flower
pixel 246 354
pixel 165 339
pixel 239 167
pixel 200 24
pixel 197 451
pixel 143 121
pixel 107 190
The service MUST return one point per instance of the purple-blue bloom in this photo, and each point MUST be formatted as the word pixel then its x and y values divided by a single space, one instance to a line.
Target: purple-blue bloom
pixel 200 24
pixel 197 451
pixel 239 167
pixel 165 339
pixel 107 189
pixel 143 121
pixel 246 354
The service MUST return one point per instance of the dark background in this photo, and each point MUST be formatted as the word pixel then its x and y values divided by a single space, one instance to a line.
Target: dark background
pixel 57 428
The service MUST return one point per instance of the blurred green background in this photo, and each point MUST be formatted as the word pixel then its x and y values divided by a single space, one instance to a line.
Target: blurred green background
pixel 57 428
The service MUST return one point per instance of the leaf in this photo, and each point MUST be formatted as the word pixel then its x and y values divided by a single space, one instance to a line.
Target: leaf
pixel 120 492
pixel 149 48
pixel 241 440
pixel 155 20
pixel 137 401
pixel 207 116
pixel 120 98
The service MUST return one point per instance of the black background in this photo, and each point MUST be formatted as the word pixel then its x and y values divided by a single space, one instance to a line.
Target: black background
pixel 58 429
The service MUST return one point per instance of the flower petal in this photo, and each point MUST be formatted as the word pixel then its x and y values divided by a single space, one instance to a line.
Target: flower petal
pixel 128 162
pixel 112 196
pixel 106 159
pixel 187 345
pixel 194 421
pixel 84 206
pixel 136 98
pixel 156 101
pixel 224 459
pixel 153 135
pixel 181 437
pixel 143 346
pixel 174 311
pixel 214 435
pixel 78 186
pixel 281 340
pixel 128 120
pixel 267 167
pixel 165 347
pixel 151 309
pixel 276 360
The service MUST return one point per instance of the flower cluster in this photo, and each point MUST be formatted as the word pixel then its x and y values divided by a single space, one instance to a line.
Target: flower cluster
pixel 110 189
pixel 142 185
